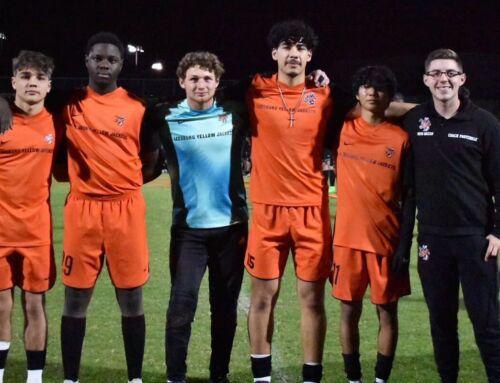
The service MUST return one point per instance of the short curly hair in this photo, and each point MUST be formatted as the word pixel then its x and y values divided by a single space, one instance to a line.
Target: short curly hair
pixel 296 31
pixel 105 38
pixel 378 76
pixel 33 60
pixel 203 59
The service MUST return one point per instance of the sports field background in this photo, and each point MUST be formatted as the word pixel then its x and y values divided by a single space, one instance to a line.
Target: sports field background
pixel 103 356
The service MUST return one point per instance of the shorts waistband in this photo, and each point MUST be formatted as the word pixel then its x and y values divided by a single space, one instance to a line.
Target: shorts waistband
pixel 97 197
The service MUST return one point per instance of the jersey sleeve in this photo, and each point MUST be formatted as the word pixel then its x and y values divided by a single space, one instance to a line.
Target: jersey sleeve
pixel 408 203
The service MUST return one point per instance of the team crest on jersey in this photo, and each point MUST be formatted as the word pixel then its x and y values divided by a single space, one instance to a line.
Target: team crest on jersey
pixel 120 120
pixel 49 138
pixel 310 98
pixel 223 118
pixel 425 124
pixel 389 152
pixel 424 252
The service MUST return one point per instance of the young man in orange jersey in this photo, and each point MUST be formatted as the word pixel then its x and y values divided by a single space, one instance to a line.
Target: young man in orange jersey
pixel 26 252
pixel 104 216
pixel 370 159
pixel 289 118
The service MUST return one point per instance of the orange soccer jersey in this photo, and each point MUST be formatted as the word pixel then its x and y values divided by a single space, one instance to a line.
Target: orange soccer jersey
pixel 286 160
pixel 103 134
pixel 369 164
pixel 26 157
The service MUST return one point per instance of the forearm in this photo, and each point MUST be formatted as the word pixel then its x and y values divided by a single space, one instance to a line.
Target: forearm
pixel 397 110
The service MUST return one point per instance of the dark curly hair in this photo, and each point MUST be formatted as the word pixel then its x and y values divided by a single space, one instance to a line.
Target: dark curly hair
pixel 105 38
pixel 205 60
pixel 378 76
pixel 295 31
pixel 33 60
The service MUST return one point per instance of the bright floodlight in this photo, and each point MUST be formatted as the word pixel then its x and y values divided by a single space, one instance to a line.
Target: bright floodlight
pixel 157 66
pixel 3 36
pixel 135 48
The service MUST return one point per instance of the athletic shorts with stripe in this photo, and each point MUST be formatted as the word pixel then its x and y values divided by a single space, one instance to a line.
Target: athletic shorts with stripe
pixel 112 230
pixel 353 270
pixel 31 268
pixel 277 230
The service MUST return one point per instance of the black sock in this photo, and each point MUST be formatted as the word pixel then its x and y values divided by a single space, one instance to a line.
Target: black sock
pixel 134 336
pixel 352 366
pixel 35 359
pixel 3 358
pixel 384 366
pixel 72 334
pixel 312 373
pixel 261 367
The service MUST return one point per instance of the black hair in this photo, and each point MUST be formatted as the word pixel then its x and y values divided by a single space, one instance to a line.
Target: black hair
pixel 295 31
pixel 105 38
pixel 33 60
pixel 378 76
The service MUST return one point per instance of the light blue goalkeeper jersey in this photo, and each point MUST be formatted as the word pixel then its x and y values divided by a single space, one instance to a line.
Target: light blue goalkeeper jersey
pixel 204 162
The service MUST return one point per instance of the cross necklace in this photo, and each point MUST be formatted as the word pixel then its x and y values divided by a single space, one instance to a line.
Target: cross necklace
pixel 291 111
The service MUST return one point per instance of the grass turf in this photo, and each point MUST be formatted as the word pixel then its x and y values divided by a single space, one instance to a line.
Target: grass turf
pixel 103 356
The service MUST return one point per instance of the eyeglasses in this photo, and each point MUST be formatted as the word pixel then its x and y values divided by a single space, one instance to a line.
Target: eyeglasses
pixel 449 73
pixel 110 59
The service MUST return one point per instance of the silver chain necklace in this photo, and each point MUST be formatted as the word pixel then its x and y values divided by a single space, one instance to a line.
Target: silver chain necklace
pixel 291 111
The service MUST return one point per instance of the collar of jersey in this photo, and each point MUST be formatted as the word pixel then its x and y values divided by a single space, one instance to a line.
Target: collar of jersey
pixel 184 112
pixel 464 111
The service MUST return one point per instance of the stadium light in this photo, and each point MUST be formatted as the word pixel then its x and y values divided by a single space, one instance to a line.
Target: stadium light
pixel 135 49
pixel 3 37
pixel 158 66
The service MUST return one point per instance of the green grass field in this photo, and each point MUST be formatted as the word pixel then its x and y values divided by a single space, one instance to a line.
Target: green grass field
pixel 103 355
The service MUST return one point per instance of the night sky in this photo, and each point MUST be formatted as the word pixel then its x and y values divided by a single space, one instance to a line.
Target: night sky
pixel 352 33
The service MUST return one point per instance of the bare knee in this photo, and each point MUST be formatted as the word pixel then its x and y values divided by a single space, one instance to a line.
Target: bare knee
pixel 388 315
pixel 312 296
pixel 34 306
pixel 350 311
pixel 6 303
pixel 264 295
